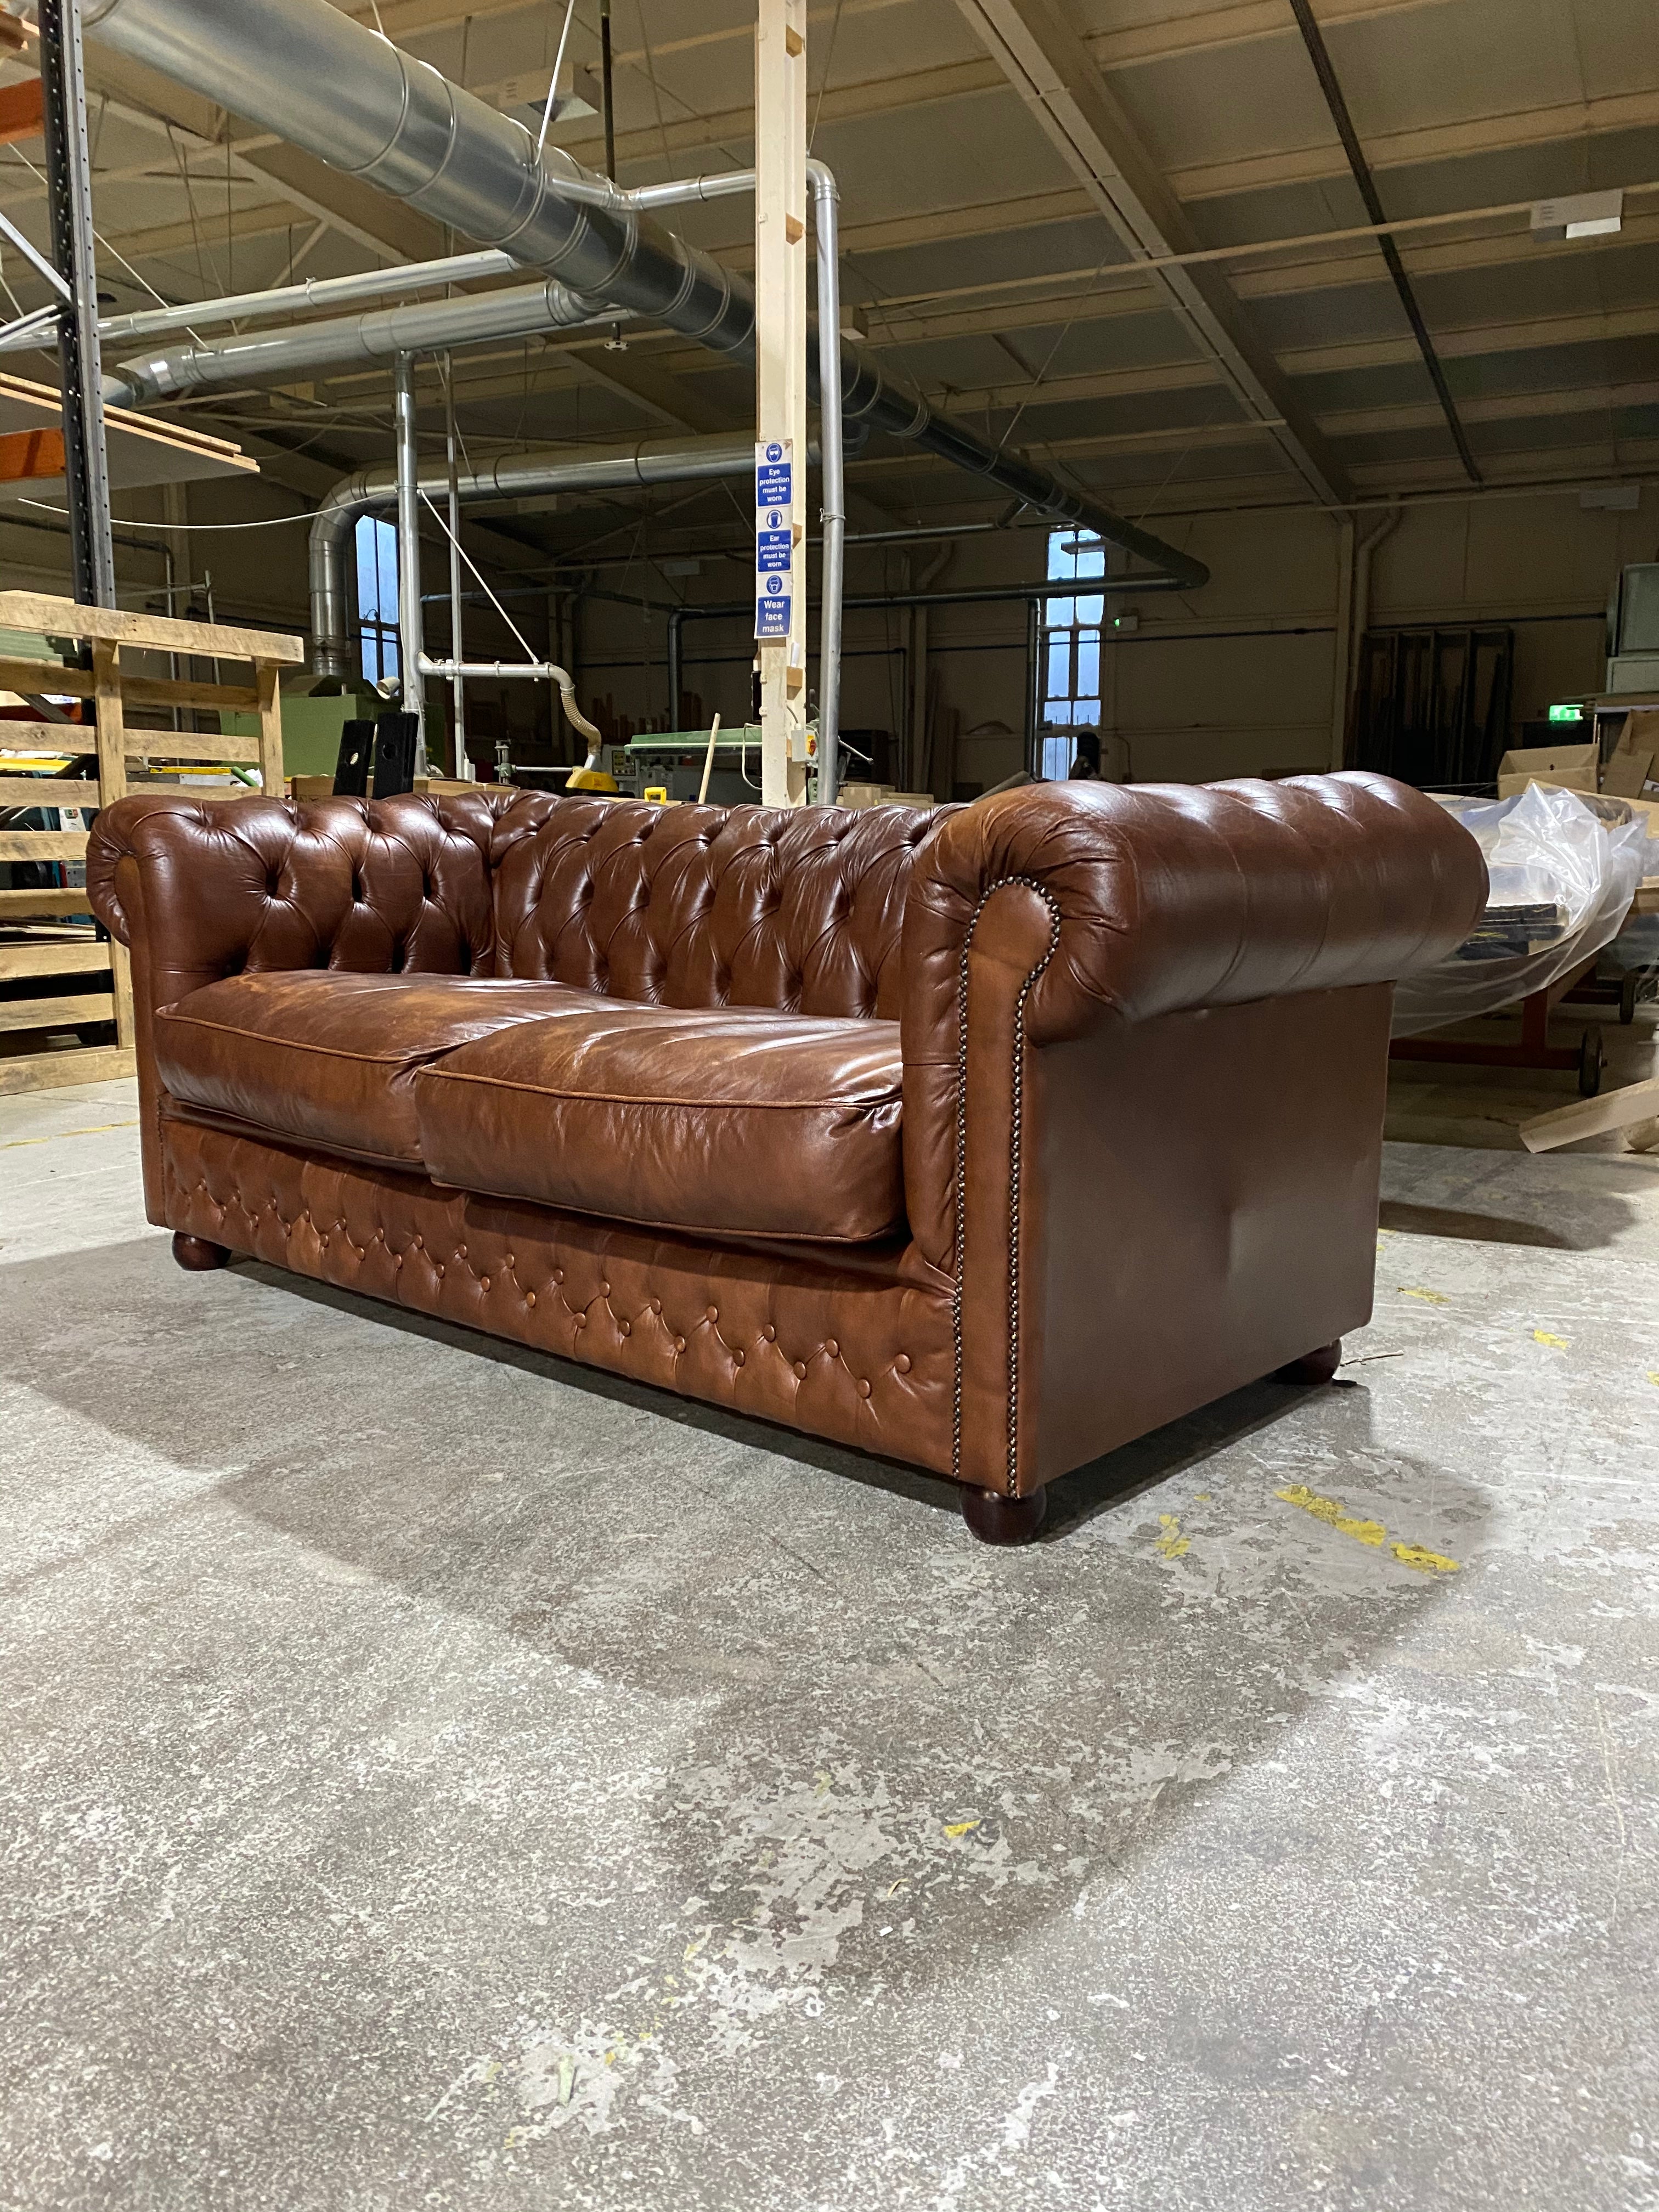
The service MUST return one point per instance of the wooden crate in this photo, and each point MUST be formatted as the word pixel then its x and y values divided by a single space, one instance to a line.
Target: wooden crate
pixel 116 689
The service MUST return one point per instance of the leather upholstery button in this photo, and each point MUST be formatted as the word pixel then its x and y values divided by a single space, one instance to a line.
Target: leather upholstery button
pixel 420 1243
pixel 832 1348
pixel 679 1343
pixel 530 1298
pixel 800 1372
pixel 737 1360
pixel 769 1333
pixel 558 1274
pixel 626 1327
pixel 605 1290
pixel 863 1389
pixel 439 1267
pixel 483 1282
pixel 902 1364
pixel 712 1313
pixel 656 1306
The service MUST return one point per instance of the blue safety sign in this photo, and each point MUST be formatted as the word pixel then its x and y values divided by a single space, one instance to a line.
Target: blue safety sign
pixel 774 549
pixel 772 613
pixel 775 473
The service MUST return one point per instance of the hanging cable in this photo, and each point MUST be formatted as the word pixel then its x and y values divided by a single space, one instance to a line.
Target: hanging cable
pixel 553 82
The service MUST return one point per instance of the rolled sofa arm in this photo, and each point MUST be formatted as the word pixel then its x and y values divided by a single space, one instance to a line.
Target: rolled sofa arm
pixel 200 890
pixel 1081 903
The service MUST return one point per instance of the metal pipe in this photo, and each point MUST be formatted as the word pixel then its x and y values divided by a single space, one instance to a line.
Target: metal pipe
pixel 458 690
pixel 1336 101
pixel 520 475
pixel 826 205
pixel 411 658
pixel 543 672
pixel 606 103
pixel 1360 609
pixel 680 192
pixel 327 84
pixel 285 299
pixel 432 326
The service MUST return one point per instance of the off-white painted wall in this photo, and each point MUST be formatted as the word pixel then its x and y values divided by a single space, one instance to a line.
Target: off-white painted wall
pixel 1189 703
pixel 1235 679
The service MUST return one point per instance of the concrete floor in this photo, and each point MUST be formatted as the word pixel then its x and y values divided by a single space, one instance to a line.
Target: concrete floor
pixel 431 1776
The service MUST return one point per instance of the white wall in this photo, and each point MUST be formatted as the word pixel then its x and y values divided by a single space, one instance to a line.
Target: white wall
pixel 1189 703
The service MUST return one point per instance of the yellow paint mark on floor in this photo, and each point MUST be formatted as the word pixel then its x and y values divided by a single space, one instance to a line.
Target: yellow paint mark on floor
pixel 1555 1343
pixel 1426 1562
pixel 954 1828
pixel 1429 1297
pixel 1335 1515
pixel 98 1129
pixel 1202 1498
pixel 1653 1377
pixel 1172 1543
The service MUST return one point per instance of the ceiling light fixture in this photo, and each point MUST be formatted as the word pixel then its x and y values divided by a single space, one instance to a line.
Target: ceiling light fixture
pixel 1583 215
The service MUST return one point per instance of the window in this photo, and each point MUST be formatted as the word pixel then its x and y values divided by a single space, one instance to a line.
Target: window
pixel 1070 650
pixel 377 598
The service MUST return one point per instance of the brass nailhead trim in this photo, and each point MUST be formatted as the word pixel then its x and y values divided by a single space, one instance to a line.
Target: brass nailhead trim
pixel 1053 905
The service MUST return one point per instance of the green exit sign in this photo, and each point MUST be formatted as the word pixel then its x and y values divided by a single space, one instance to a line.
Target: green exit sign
pixel 1571 712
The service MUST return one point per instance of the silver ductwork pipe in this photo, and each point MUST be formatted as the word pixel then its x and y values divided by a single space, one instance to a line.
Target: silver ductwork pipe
pixel 542 470
pixel 330 85
pixel 826 216
pixel 320 292
pixel 431 326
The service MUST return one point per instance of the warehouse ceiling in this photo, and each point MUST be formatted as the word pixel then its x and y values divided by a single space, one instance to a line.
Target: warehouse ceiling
pixel 1004 166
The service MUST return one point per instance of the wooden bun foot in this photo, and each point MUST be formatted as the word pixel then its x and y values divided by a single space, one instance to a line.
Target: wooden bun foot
pixel 1314 1366
pixel 197 1254
pixel 995 1519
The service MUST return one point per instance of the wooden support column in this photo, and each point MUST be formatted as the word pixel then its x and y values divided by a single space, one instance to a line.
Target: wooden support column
pixel 111 785
pixel 266 676
pixel 781 369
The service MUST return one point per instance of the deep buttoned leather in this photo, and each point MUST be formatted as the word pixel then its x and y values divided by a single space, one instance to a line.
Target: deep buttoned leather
pixel 708 906
pixel 849 1343
pixel 1143 1040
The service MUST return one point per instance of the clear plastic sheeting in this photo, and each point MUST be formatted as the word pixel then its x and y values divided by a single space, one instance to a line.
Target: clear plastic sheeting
pixel 1636 948
pixel 1562 883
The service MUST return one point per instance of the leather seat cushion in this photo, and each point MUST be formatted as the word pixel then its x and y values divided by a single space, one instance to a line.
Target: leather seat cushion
pixel 330 1059
pixel 735 1121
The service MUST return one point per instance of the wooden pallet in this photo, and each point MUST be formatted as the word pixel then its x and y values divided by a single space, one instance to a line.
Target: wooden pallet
pixel 80 963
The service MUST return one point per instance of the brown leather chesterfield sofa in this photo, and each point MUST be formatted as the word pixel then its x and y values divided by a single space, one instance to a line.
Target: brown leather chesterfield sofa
pixel 986 1139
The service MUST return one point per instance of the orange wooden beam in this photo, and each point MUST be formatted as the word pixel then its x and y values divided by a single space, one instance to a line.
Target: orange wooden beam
pixel 21 115
pixel 27 455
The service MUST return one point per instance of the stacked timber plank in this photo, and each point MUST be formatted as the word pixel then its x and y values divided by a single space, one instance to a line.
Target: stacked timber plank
pixel 36 939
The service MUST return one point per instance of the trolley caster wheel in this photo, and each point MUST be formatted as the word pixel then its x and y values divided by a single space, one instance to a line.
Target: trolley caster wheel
pixel 1313 1366
pixel 1592 1057
pixel 1627 997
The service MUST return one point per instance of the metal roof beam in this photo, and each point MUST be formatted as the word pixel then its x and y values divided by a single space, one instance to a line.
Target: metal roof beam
pixel 1054 74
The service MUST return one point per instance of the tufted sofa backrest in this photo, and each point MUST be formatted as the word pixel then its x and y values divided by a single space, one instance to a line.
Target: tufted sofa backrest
pixel 708 905
pixel 687 906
